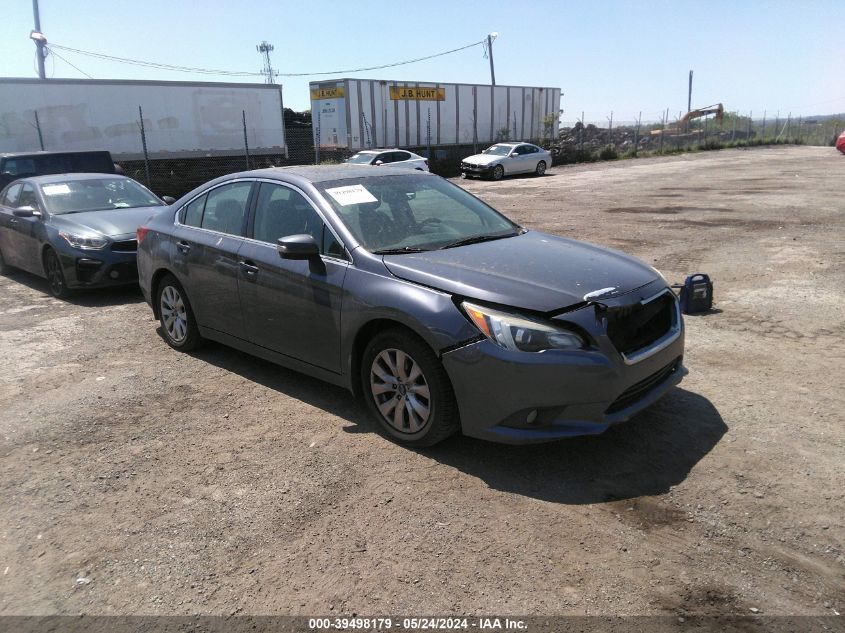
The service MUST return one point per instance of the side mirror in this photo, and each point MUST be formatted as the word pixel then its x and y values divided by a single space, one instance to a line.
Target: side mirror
pixel 168 199
pixel 26 212
pixel 378 163
pixel 297 247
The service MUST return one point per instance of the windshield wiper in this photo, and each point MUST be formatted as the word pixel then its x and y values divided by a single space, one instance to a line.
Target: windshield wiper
pixel 476 239
pixel 400 251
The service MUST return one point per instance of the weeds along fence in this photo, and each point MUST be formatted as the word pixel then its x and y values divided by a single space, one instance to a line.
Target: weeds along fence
pixel 583 140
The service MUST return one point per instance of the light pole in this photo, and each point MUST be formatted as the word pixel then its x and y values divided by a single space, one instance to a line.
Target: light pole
pixel 490 37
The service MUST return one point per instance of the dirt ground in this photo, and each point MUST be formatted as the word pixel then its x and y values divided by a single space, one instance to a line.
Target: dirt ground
pixel 137 480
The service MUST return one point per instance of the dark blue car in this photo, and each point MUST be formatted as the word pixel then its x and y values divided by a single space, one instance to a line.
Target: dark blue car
pixel 77 230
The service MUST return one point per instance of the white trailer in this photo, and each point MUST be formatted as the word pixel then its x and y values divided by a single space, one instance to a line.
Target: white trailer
pixel 356 114
pixel 181 119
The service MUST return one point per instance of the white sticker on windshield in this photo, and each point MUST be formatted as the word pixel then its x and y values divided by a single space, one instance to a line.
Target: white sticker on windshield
pixel 353 194
pixel 52 190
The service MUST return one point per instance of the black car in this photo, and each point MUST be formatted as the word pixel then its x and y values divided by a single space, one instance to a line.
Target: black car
pixel 77 230
pixel 443 313
pixel 25 165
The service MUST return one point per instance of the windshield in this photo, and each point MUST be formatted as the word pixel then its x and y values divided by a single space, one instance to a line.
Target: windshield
pixel 413 212
pixel 361 159
pixel 96 194
pixel 498 150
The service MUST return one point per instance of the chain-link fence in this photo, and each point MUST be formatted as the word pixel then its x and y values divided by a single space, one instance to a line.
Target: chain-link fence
pixel 580 140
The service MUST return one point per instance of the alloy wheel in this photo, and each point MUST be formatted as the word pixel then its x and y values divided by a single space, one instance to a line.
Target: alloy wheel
pixel 55 276
pixel 400 390
pixel 498 172
pixel 174 315
pixel 541 168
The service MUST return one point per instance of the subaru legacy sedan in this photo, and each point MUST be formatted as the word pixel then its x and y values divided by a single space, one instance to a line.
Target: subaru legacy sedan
pixel 441 312
pixel 77 230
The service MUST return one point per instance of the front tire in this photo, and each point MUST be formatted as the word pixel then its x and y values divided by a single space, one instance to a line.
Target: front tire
pixel 541 168
pixel 178 325
pixel 498 172
pixel 55 275
pixel 407 389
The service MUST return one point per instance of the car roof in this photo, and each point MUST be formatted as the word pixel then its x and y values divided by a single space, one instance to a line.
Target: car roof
pixel 323 173
pixel 50 178
pixel 49 153
pixel 386 149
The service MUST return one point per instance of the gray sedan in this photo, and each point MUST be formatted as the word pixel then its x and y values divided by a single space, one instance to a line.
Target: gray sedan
pixel 77 230
pixel 404 288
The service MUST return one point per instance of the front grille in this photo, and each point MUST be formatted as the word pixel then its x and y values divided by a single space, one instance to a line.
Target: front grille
pixel 638 391
pixel 631 328
pixel 126 246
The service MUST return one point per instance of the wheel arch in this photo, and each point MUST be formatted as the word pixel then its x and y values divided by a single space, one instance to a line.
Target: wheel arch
pixel 364 335
pixel 155 280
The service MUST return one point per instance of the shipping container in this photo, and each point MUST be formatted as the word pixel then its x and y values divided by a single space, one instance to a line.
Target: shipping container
pixel 181 119
pixel 355 114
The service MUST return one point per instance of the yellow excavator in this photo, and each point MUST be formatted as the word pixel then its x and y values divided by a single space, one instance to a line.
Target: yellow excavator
pixel 683 125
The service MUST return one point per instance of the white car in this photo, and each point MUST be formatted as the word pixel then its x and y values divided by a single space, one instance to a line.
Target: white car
pixel 392 157
pixel 504 159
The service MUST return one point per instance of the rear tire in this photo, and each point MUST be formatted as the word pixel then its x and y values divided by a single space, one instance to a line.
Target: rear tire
pixel 178 325
pixel 498 172
pixel 55 275
pixel 541 168
pixel 407 389
pixel 5 269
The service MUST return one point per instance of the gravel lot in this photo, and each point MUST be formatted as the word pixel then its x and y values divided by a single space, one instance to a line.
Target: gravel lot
pixel 137 480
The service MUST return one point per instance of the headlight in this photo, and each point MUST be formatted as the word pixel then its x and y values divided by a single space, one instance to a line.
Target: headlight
pixel 519 333
pixel 85 243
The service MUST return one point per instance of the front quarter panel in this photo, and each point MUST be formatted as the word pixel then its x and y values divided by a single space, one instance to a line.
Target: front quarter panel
pixel 429 313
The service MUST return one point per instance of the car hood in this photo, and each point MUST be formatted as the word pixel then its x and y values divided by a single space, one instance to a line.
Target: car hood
pixel 112 222
pixel 533 271
pixel 483 159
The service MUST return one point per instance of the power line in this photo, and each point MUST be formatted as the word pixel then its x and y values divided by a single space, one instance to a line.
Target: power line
pixel 235 73
pixel 52 52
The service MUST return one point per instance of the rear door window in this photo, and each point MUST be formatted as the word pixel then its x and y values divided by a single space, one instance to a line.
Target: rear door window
pixel 225 208
pixel 398 157
pixel 191 214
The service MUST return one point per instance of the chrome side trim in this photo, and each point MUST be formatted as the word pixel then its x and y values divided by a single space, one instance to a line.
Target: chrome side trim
pixel 664 341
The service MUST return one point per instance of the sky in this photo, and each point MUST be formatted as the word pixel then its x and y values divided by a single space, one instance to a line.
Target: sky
pixel 619 56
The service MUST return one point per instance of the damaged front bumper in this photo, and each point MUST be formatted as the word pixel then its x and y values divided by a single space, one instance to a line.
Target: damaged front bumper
pixel 519 398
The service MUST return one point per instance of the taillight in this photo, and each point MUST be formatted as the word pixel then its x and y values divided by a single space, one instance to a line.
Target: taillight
pixel 141 233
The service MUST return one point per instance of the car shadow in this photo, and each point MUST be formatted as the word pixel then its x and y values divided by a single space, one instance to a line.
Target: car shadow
pixel 322 395
pixel 645 456
pixel 88 298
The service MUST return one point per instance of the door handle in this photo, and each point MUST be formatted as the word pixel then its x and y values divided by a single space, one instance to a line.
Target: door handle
pixel 249 269
pixel 183 247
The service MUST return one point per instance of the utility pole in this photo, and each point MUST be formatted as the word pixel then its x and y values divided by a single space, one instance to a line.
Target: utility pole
pixel 490 38
pixel 689 93
pixel 40 41
pixel 265 49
